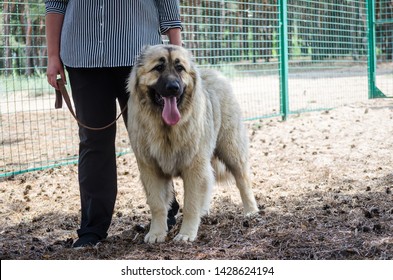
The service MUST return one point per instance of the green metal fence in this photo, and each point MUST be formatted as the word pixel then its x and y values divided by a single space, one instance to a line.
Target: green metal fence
pixel 381 17
pixel 282 57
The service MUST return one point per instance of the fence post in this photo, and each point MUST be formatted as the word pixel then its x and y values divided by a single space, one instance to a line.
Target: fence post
pixel 371 47
pixel 283 20
pixel 373 90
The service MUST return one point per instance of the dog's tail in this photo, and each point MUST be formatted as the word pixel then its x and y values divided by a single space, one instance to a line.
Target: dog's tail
pixel 221 173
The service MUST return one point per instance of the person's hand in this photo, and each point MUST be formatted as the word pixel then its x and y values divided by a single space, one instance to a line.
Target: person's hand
pixel 55 68
pixel 174 36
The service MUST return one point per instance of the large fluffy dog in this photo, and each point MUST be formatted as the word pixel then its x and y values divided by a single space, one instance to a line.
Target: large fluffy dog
pixel 180 119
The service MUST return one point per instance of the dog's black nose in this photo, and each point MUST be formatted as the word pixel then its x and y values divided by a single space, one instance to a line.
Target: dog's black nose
pixel 173 86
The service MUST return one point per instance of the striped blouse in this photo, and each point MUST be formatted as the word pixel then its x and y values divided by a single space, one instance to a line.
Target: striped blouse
pixel 111 33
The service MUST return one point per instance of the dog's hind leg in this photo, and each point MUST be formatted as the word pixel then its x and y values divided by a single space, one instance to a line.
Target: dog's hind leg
pixel 234 155
pixel 243 183
pixel 198 184
pixel 159 194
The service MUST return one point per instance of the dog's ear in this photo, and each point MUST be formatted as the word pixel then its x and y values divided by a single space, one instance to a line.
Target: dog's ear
pixel 141 56
pixel 145 48
pixel 191 58
pixel 132 81
pixel 193 70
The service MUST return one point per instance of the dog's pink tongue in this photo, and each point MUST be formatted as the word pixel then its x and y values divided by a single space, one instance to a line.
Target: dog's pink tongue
pixel 170 113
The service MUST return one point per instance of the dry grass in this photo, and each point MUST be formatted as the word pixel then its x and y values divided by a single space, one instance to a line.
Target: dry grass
pixel 323 181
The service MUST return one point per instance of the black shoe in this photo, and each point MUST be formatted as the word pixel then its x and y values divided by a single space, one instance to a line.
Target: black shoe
pixel 88 239
pixel 171 220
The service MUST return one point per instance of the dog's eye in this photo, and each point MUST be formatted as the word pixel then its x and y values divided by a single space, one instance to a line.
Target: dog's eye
pixel 159 68
pixel 179 68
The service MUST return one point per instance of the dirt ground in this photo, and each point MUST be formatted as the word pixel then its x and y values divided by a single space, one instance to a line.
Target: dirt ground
pixel 323 182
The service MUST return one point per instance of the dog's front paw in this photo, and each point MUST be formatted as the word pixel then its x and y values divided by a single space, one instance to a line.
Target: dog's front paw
pixel 252 213
pixel 251 210
pixel 184 237
pixel 155 237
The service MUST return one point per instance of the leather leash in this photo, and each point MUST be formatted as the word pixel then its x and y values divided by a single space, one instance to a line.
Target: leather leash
pixel 63 94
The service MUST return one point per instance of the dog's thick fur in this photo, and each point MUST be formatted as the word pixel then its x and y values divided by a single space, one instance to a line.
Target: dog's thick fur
pixel 180 119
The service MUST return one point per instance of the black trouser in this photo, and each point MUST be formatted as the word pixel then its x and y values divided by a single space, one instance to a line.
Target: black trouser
pixel 94 91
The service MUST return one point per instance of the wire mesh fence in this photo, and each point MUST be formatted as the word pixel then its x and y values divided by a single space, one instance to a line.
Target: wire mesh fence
pixel 32 134
pixel 281 56
pixel 328 54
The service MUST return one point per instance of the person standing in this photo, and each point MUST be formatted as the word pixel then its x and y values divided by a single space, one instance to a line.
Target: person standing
pixel 98 41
